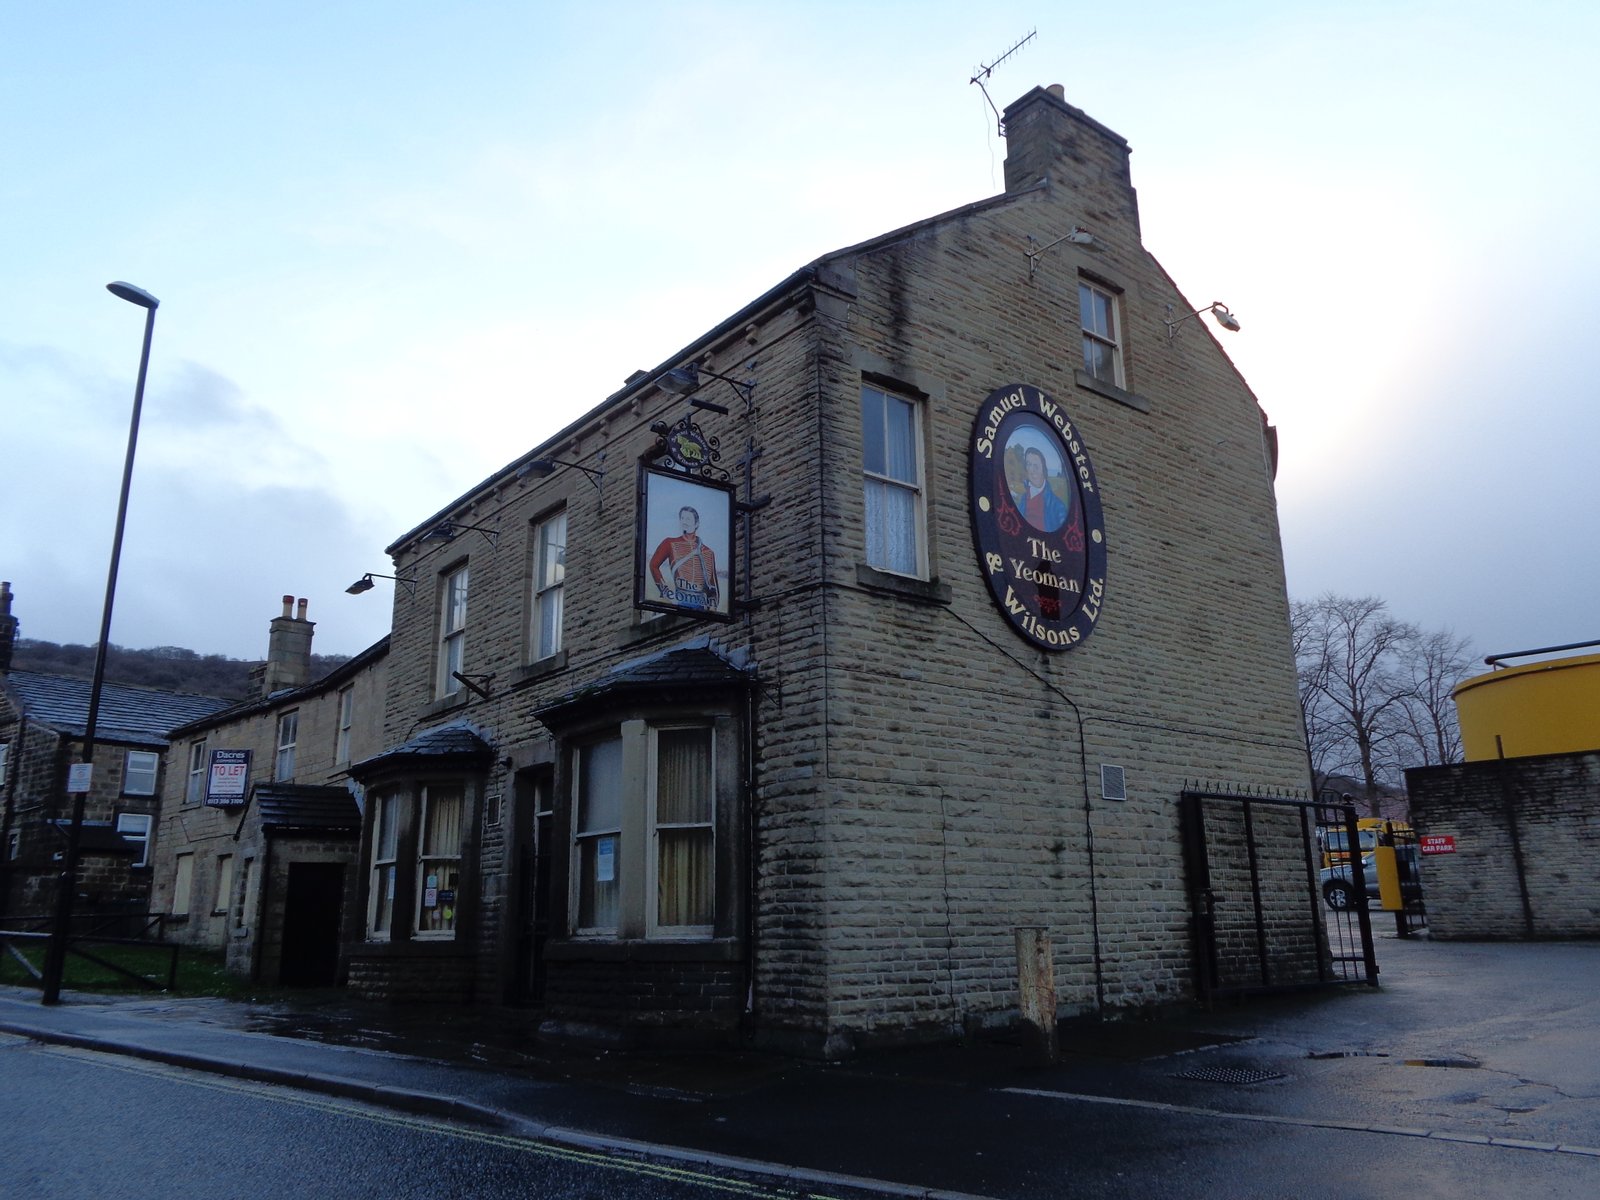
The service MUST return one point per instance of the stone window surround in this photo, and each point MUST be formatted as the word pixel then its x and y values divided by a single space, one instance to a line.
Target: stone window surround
pixel 406 788
pixel 152 770
pixel 452 629
pixel 633 942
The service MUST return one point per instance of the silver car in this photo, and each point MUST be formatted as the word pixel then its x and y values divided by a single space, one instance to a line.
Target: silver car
pixel 1339 891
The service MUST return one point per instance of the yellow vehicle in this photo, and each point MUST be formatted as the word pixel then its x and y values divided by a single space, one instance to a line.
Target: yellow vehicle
pixel 1332 841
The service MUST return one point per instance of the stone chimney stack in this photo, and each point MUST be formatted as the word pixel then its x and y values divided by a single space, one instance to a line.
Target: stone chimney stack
pixel 8 627
pixel 288 662
pixel 1046 138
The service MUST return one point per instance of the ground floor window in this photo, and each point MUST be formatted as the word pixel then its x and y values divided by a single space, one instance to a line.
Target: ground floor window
pixel 224 883
pixel 598 835
pixel 646 813
pixel 385 840
pixel 439 861
pixel 415 879
pixel 182 882
pixel 682 807
pixel 135 830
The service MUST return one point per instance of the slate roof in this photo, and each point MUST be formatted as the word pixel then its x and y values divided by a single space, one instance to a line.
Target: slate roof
pixel 456 743
pixel 136 715
pixel 289 696
pixel 291 806
pixel 683 672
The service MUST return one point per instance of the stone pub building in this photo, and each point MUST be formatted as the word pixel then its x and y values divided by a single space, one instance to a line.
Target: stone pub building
pixel 769 699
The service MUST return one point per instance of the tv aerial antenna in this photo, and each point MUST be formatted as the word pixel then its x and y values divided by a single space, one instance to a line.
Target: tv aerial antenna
pixel 985 71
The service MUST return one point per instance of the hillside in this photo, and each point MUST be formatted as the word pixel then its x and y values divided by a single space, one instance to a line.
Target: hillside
pixel 171 668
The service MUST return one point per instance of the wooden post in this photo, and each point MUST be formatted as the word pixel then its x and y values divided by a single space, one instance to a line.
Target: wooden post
pixel 1036 988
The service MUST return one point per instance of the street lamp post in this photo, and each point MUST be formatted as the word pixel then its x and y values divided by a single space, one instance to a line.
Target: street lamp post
pixel 56 956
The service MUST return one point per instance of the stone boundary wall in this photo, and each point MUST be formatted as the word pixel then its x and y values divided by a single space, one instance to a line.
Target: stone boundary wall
pixel 1550 804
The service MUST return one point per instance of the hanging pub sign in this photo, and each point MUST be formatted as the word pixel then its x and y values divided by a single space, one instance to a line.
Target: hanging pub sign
pixel 684 544
pixel 228 778
pixel 1036 520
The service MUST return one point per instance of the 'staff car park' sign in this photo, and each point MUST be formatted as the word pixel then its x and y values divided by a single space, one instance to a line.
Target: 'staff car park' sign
pixel 228 779
pixel 1438 843
pixel 1036 520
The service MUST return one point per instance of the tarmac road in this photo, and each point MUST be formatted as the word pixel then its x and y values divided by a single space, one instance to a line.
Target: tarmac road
pixel 1473 1071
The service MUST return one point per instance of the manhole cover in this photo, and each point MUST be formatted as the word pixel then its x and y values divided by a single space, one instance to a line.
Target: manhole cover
pixel 1229 1075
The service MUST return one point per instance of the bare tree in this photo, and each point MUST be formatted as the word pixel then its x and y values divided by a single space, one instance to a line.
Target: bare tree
pixel 1350 656
pixel 1427 732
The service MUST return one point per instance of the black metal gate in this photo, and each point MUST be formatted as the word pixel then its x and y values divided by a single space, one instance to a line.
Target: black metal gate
pixel 1257 913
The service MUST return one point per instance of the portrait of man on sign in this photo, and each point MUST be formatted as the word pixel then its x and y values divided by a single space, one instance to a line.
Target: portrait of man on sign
pixel 1038 485
pixel 684 544
pixel 684 568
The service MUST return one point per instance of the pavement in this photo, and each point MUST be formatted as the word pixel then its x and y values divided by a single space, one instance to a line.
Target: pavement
pixel 1466 1044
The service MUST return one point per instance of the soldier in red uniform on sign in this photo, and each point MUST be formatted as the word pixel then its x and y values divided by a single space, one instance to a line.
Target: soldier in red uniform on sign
pixel 690 579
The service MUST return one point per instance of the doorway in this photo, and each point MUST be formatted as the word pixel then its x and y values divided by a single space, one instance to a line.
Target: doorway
pixel 312 906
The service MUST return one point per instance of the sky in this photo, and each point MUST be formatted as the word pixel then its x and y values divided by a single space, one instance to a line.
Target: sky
pixel 399 244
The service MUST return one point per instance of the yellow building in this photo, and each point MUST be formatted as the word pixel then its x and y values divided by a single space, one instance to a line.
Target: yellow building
pixel 1539 708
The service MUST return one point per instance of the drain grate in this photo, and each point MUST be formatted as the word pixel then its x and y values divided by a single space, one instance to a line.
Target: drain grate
pixel 1229 1075
pixel 1347 1054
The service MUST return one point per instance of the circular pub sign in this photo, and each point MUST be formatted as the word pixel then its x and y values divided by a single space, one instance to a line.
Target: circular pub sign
pixel 1036 518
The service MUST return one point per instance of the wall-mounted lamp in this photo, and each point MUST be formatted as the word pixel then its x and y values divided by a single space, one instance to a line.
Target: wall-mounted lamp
pixel 1079 236
pixel 1216 308
pixel 539 468
pixel 448 530
pixel 364 584
pixel 684 380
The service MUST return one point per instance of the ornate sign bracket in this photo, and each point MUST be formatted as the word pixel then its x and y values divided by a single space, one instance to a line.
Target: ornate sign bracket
pixel 684 446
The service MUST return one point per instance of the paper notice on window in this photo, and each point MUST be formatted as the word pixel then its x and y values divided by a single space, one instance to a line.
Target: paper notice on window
pixel 605 860
pixel 430 897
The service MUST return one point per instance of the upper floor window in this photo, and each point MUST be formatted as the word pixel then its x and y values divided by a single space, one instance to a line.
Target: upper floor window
pixel 139 773
pixel 891 439
pixel 347 713
pixel 195 790
pixel 5 750
pixel 1102 334
pixel 135 829
pixel 288 735
pixel 549 575
pixel 452 630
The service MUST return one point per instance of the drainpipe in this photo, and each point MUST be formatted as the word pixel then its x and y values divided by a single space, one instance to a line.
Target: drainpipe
pixel 265 891
pixel 1509 802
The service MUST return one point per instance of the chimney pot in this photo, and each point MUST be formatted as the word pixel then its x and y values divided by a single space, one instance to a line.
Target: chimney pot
pixel 300 613
pixel 288 662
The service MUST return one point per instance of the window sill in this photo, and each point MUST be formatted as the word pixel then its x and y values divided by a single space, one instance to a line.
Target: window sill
pixel 922 591
pixel 1110 391
pixel 581 950
pixel 411 948
pixel 552 665
pixel 446 704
